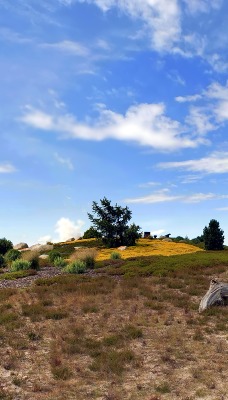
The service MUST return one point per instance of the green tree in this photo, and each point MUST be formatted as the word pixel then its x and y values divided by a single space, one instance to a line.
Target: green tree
pixel 5 245
pixel 91 233
pixel 111 222
pixel 213 236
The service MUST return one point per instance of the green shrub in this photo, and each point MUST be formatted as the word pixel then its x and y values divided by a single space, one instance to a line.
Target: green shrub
pixel 53 254
pixel 2 261
pixel 33 258
pixel 5 245
pixel 59 262
pixel 89 262
pixel 12 255
pixel 115 255
pixel 20 265
pixel 76 267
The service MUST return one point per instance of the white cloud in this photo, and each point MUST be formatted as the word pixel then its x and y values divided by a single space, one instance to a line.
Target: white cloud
pixel 163 196
pixel 144 124
pixel 200 119
pixel 6 168
pixel 66 229
pixel 184 99
pixel 196 6
pixel 222 209
pixel 213 113
pixel 156 197
pixel 69 47
pixel 161 18
pixel 215 163
pixel 149 184
pixel 64 161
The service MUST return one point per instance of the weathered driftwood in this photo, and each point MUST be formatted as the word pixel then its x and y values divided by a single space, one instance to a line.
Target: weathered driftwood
pixel 216 295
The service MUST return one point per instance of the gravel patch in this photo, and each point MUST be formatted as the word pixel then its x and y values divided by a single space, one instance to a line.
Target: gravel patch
pixel 47 272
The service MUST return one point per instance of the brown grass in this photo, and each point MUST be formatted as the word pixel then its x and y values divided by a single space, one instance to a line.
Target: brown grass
pixel 113 338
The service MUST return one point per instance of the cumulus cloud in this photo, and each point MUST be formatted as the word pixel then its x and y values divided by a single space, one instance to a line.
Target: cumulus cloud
pixel 215 163
pixel 66 229
pixel 6 168
pixel 144 124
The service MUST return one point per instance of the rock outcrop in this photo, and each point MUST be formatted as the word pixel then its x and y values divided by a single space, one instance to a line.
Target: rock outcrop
pixel 41 247
pixel 20 246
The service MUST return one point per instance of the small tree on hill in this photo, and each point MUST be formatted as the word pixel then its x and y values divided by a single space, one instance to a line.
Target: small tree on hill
pixel 111 222
pixel 91 233
pixel 5 245
pixel 213 236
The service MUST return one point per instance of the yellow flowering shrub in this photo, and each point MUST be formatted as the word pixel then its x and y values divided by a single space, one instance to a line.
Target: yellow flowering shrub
pixel 147 247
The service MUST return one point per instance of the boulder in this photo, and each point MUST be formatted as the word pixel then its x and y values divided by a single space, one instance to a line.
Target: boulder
pixel 41 247
pixel 122 248
pixel 217 294
pixel 70 240
pixel 20 246
pixel 167 240
pixel 44 256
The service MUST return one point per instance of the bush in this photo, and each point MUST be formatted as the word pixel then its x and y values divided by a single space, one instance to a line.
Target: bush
pixel 89 262
pixel 76 267
pixel 59 262
pixel 53 254
pixel 5 245
pixel 33 258
pixel 12 255
pixel 115 255
pixel 86 255
pixel 2 261
pixel 20 265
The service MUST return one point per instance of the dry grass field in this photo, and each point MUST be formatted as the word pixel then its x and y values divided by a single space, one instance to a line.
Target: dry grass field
pixel 129 329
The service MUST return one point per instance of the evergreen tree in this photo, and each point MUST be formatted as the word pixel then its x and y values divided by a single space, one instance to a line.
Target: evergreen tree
pixel 111 222
pixel 213 236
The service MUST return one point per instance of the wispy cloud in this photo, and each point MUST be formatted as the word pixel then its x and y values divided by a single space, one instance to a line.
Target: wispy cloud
pixel 64 161
pixel 161 18
pixel 144 124
pixel 202 6
pixel 185 99
pixel 9 35
pixel 6 168
pixel 69 47
pixel 163 196
pixel 215 163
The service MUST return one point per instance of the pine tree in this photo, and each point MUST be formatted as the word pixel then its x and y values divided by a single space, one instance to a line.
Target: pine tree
pixel 213 236
pixel 111 223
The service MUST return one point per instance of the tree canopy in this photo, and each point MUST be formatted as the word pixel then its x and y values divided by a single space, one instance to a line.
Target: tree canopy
pixel 111 223
pixel 213 236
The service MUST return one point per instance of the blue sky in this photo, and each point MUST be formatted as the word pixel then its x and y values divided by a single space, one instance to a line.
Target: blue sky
pixel 126 99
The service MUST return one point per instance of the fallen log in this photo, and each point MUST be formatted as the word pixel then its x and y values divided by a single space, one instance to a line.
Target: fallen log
pixel 216 295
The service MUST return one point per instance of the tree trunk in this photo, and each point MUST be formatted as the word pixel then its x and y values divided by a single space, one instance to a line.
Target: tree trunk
pixel 216 295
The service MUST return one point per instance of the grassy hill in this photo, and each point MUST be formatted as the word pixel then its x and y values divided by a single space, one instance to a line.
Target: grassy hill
pixel 128 329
